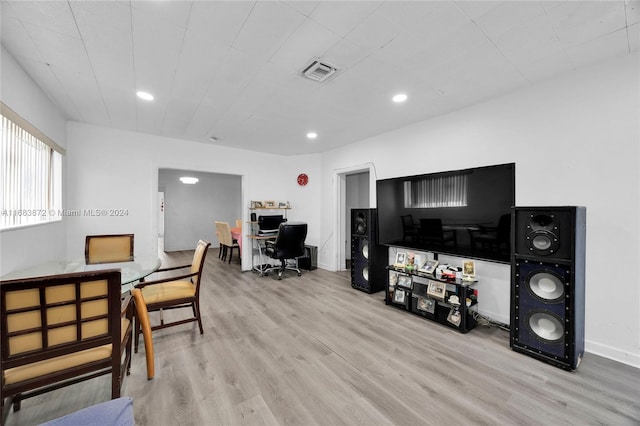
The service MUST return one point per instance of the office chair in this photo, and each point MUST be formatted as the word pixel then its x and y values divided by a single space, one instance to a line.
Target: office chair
pixel 288 245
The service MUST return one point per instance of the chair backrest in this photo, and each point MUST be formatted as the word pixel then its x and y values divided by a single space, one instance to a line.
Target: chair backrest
pixel 290 240
pixel 407 222
pixel 52 316
pixel 197 264
pixel 108 248
pixel 224 233
pixel 431 227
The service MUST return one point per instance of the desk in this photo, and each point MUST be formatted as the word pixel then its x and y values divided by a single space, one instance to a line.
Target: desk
pixel 259 240
pixel 131 271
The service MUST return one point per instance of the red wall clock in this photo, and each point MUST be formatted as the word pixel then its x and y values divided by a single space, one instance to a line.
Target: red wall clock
pixel 303 179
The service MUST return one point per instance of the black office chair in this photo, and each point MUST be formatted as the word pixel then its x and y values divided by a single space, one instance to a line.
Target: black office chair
pixel 288 245
pixel 409 228
pixel 431 231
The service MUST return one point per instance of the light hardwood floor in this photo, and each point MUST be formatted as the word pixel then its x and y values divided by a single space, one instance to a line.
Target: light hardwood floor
pixel 314 351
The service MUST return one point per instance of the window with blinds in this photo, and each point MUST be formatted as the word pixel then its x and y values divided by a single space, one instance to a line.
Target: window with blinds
pixel 31 174
pixel 438 191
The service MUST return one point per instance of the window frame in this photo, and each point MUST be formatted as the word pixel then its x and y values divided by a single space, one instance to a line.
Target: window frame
pixel 28 145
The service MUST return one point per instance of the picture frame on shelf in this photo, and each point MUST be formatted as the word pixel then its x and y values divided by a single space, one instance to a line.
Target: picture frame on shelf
pixel 468 270
pixel 401 259
pixel 426 304
pixel 404 281
pixel 399 296
pixel 283 204
pixel 455 316
pixel 256 204
pixel 437 290
pixel 269 204
pixel 429 267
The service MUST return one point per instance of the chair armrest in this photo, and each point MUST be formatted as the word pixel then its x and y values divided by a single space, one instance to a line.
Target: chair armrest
pixel 166 280
pixel 172 268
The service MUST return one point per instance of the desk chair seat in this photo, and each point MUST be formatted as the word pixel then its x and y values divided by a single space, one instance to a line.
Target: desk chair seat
pixel 288 245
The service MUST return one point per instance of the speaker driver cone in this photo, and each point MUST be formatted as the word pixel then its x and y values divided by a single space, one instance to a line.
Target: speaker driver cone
pixel 546 326
pixel 365 251
pixel 365 273
pixel 542 242
pixel 545 286
pixel 542 222
pixel 361 224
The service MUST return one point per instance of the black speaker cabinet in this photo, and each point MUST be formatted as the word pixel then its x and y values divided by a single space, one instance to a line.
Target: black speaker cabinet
pixel 368 260
pixel 547 283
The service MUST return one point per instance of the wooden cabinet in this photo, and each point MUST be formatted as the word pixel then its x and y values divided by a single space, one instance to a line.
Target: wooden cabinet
pixel 448 302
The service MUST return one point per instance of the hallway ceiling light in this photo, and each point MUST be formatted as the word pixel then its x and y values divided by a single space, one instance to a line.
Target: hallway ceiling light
pixel 400 97
pixel 189 180
pixel 312 135
pixel 144 95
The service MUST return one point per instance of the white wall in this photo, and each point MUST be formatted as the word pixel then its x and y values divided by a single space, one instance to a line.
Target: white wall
pixel 575 141
pixel 24 247
pixel 113 169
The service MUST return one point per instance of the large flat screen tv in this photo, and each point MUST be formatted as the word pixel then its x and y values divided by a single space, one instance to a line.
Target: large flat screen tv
pixel 463 212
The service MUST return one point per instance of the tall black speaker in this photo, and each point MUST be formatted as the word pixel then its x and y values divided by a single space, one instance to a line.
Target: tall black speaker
pixel 368 259
pixel 547 283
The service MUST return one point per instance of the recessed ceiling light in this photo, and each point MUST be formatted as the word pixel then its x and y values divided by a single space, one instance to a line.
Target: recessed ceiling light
pixel 312 135
pixel 213 139
pixel 400 97
pixel 145 95
pixel 189 180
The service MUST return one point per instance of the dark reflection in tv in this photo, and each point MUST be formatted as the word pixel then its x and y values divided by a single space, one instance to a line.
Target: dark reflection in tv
pixel 464 212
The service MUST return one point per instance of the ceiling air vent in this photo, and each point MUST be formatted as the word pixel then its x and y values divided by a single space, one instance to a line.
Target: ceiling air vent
pixel 318 71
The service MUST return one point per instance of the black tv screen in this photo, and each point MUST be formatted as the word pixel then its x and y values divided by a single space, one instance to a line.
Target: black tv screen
pixel 463 212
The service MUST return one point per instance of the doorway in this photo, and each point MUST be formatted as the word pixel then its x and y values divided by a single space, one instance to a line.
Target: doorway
pixel 354 189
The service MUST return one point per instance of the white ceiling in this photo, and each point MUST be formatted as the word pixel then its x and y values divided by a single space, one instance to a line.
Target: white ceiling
pixel 233 69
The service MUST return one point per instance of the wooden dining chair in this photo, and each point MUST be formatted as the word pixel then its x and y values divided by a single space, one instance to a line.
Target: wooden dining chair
pixel 142 317
pixel 108 248
pixel 226 240
pixel 60 330
pixel 181 291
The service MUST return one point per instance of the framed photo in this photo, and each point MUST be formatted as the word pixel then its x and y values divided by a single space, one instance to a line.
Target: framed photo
pixel 437 290
pixel 429 267
pixel 401 258
pixel 399 296
pixel 393 279
pixel 468 270
pixel 256 204
pixel 282 205
pixel 426 305
pixel 269 204
pixel 404 281
pixel 454 316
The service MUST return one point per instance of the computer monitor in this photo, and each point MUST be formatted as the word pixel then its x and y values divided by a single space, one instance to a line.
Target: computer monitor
pixel 270 223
